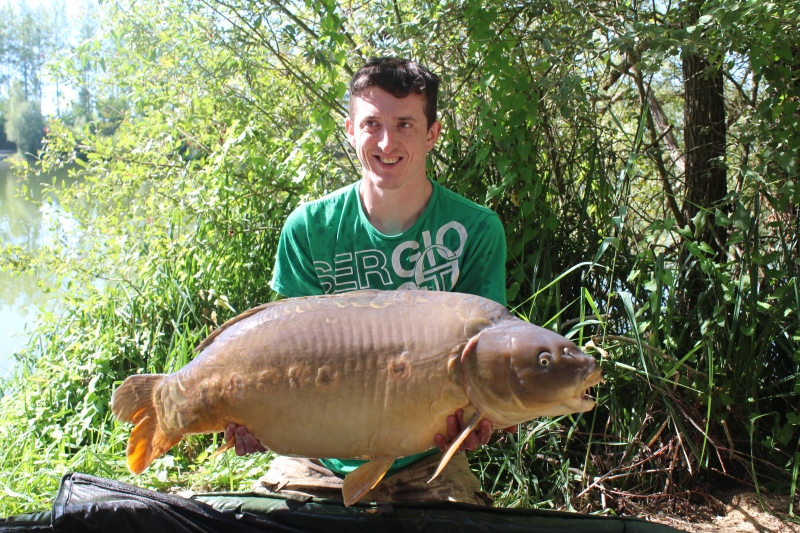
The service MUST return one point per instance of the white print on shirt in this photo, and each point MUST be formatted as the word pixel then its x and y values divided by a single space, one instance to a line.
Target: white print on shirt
pixel 432 265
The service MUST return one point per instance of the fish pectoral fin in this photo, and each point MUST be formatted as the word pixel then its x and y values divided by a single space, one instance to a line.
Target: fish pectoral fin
pixel 456 443
pixel 224 447
pixel 364 478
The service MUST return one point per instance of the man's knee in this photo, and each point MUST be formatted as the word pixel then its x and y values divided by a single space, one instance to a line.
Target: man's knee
pixel 456 483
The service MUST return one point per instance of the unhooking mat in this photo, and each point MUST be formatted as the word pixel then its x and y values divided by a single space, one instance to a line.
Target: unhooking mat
pixel 90 504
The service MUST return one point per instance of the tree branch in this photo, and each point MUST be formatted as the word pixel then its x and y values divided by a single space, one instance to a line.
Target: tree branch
pixel 655 151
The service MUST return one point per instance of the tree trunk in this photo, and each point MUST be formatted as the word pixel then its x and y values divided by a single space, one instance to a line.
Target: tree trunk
pixel 704 133
pixel 705 178
pixel 704 115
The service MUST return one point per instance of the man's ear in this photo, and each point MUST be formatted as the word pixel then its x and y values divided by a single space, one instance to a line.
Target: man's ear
pixel 350 130
pixel 433 135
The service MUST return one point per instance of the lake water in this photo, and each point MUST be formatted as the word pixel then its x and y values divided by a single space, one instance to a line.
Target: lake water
pixel 24 223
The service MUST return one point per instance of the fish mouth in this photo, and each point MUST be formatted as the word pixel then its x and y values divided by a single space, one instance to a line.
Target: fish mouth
pixel 591 380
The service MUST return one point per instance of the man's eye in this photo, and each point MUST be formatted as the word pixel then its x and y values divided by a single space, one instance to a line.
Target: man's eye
pixel 405 124
pixel 370 124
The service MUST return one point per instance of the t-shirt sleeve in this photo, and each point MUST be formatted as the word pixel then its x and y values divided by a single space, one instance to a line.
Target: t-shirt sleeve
pixel 484 267
pixel 294 274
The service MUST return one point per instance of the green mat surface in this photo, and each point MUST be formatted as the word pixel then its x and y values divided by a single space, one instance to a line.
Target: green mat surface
pixel 87 503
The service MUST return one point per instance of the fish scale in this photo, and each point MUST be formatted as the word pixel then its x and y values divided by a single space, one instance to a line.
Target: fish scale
pixel 367 374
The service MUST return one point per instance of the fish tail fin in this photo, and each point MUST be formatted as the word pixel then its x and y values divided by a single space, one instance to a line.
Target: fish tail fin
pixel 364 478
pixel 133 402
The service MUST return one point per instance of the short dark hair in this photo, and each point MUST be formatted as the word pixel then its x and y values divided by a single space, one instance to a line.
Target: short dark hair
pixel 398 77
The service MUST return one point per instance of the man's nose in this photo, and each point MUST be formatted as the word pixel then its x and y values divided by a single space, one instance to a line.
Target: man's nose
pixel 386 142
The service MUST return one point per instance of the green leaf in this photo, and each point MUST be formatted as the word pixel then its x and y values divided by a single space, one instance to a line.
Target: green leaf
pixel 741 217
pixel 608 241
pixel 789 188
pixel 724 399
pixel 512 291
pixel 721 219
pixel 784 434
pixel 619 220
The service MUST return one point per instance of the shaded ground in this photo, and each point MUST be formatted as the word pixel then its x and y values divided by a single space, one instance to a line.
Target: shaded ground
pixel 729 512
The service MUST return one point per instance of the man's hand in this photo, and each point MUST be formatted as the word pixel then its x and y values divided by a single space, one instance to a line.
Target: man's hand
pixel 245 441
pixel 455 425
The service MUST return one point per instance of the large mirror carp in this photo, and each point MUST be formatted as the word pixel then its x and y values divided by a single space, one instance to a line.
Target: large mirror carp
pixel 365 375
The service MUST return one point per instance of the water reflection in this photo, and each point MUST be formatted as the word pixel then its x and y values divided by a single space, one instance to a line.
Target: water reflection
pixel 25 224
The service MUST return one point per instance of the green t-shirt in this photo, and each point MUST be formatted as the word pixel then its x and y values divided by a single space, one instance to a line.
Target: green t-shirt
pixel 329 246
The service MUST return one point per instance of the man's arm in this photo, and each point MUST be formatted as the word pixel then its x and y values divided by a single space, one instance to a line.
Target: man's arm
pixel 293 273
pixel 483 268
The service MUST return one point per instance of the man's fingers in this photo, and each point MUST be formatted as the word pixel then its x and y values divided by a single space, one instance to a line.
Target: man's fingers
pixel 484 431
pixel 480 435
pixel 455 425
pixel 246 442
pixel 460 415
pixel 453 428
pixel 229 431
pixel 257 446
pixel 470 443
pixel 239 444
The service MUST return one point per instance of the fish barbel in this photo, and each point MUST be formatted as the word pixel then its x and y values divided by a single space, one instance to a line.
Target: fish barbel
pixel 366 374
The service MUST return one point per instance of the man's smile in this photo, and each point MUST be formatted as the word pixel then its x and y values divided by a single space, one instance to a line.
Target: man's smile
pixel 388 160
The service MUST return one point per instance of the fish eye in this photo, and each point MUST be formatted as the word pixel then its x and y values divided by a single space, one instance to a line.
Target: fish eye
pixel 545 358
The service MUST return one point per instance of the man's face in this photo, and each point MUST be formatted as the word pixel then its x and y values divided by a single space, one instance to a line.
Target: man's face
pixel 391 137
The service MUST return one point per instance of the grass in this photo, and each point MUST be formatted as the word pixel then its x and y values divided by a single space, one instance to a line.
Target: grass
pixel 673 414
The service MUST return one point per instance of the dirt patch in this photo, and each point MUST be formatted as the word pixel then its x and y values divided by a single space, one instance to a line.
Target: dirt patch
pixel 729 512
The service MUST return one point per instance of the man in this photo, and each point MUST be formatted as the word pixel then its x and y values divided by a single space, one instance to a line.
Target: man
pixel 393 229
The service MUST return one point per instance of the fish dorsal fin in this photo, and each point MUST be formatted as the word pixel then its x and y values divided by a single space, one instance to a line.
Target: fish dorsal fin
pixel 364 478
pixel 456 443
pixel 228 323
pixel 250 312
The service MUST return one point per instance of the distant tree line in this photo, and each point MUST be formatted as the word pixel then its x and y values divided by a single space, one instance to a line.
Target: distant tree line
pixel 31 38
